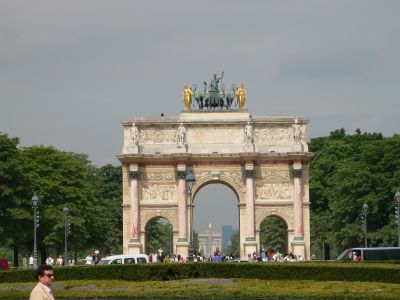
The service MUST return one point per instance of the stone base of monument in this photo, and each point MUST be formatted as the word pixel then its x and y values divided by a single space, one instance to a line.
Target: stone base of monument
pixel 250 246
pixel 182 248
pixel 248 148
pixel 182 149
pixel 297 148
pixel 131 150
pixel 299 247
pixel 135 246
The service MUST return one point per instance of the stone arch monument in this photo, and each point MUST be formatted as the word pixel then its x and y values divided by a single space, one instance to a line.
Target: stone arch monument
pixel 263 159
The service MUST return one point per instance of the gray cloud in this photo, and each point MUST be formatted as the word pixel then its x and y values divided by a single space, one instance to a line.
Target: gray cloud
pixel 72 71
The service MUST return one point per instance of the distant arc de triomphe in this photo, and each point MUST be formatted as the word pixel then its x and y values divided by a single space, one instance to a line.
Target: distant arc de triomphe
pixel 264 160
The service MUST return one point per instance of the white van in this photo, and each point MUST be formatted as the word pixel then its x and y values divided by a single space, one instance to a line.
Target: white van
pixel 125 259
pixel 378 253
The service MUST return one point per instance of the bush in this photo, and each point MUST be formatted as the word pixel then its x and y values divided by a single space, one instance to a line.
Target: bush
pixel 387 273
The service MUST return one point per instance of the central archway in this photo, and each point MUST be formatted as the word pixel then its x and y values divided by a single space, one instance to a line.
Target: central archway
pixel 215 217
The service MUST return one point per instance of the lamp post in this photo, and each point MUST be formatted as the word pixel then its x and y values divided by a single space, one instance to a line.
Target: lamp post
pixel 190 181
pixel 35 206
pixel 365 212
pixel 66 212
pixel 397 199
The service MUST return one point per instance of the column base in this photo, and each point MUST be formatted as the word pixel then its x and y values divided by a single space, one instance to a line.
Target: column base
pixel 248 148
pixel 135 246
pixel 299 247
pixel 182 149
pixel 249 246
pixel 182 247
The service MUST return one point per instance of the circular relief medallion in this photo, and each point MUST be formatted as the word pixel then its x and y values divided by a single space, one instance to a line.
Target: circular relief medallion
pixel 157 136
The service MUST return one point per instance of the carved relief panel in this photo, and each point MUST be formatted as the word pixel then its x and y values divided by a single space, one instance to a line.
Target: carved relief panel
pixel 273 136
pixel 158 192
pixel 231 176
pixel 158 185
pixel 215 135
pixel 273 184
pixel 158 136
pixel 276 191
pixel 282 212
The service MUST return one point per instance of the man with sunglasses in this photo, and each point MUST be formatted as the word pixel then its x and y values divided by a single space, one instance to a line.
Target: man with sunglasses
pixel 45 277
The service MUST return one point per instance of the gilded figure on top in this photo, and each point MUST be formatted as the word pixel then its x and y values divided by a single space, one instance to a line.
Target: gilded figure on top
pixel 241 96
pixel 187 96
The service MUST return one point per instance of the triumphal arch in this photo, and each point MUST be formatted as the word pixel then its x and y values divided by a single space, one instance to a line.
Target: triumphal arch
pixel 263 159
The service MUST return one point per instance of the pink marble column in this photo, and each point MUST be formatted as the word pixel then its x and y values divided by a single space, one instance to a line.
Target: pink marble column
pixel 182 232
pixel 298 203
pixel 250 203
pixel 134 176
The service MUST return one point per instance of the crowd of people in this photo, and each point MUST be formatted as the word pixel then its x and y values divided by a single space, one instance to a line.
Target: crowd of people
pixel 218 256
pixel 159 257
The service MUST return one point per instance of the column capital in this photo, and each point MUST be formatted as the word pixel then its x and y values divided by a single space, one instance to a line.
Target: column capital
pixel 134 175
pixel 250 173
pixel 181 174
pixel 297 173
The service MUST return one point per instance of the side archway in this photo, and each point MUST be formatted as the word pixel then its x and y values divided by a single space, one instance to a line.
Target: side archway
pixel 273 234
pixel 159 236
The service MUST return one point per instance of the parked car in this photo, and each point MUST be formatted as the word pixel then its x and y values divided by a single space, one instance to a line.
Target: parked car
pixel 125 259
pixel 4 264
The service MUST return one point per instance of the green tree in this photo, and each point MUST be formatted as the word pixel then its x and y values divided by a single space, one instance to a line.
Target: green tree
pixel 16 217
pixel 273 234
pixel 347 171
pixel 107 183
pixel 60 180
pixel 158 235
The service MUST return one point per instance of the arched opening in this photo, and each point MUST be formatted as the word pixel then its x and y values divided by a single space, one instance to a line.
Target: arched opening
pixel 216 219
pixel 159 236
pixel 273 234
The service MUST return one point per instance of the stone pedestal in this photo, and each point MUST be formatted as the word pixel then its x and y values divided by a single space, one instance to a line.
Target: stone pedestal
pixel 297 148
pixel 250 246
pixel 135 246
pixel 182 248
pixel 134 149
pixel 248 148
pixel 181 149
pixel 299 247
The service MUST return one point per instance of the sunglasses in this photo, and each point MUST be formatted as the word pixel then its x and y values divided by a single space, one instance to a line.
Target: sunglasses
pixel 49 275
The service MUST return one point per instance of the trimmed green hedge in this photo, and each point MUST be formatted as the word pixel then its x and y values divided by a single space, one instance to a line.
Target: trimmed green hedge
pixel 388 273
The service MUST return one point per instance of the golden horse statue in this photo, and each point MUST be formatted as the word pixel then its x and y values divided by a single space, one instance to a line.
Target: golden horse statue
pixel 187 96
pixel 241 96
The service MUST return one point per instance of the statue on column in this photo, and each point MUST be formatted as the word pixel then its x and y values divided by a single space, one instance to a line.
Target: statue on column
pixel 134 135
pixel 296 131
pixel 248 130
pixel 181 135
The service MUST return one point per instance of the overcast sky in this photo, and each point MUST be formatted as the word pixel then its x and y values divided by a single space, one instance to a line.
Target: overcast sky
pixel 72 71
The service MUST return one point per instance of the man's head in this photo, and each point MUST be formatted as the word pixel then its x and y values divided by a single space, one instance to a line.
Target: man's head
pixel 45 275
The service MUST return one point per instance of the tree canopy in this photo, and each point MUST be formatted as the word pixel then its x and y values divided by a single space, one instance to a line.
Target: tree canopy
pixel 346 172
pixel 60 179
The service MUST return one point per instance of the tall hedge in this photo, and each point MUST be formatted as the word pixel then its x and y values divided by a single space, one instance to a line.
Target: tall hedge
pixel 388 273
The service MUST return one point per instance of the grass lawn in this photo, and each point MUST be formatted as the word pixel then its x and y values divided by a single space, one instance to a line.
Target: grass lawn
pixel 209 288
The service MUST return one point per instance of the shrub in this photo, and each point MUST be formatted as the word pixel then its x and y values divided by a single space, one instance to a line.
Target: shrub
pixel 388 273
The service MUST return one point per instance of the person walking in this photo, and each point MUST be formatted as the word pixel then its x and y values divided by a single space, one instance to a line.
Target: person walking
pixel 31 262
pixel 45 278
pixel 49 261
